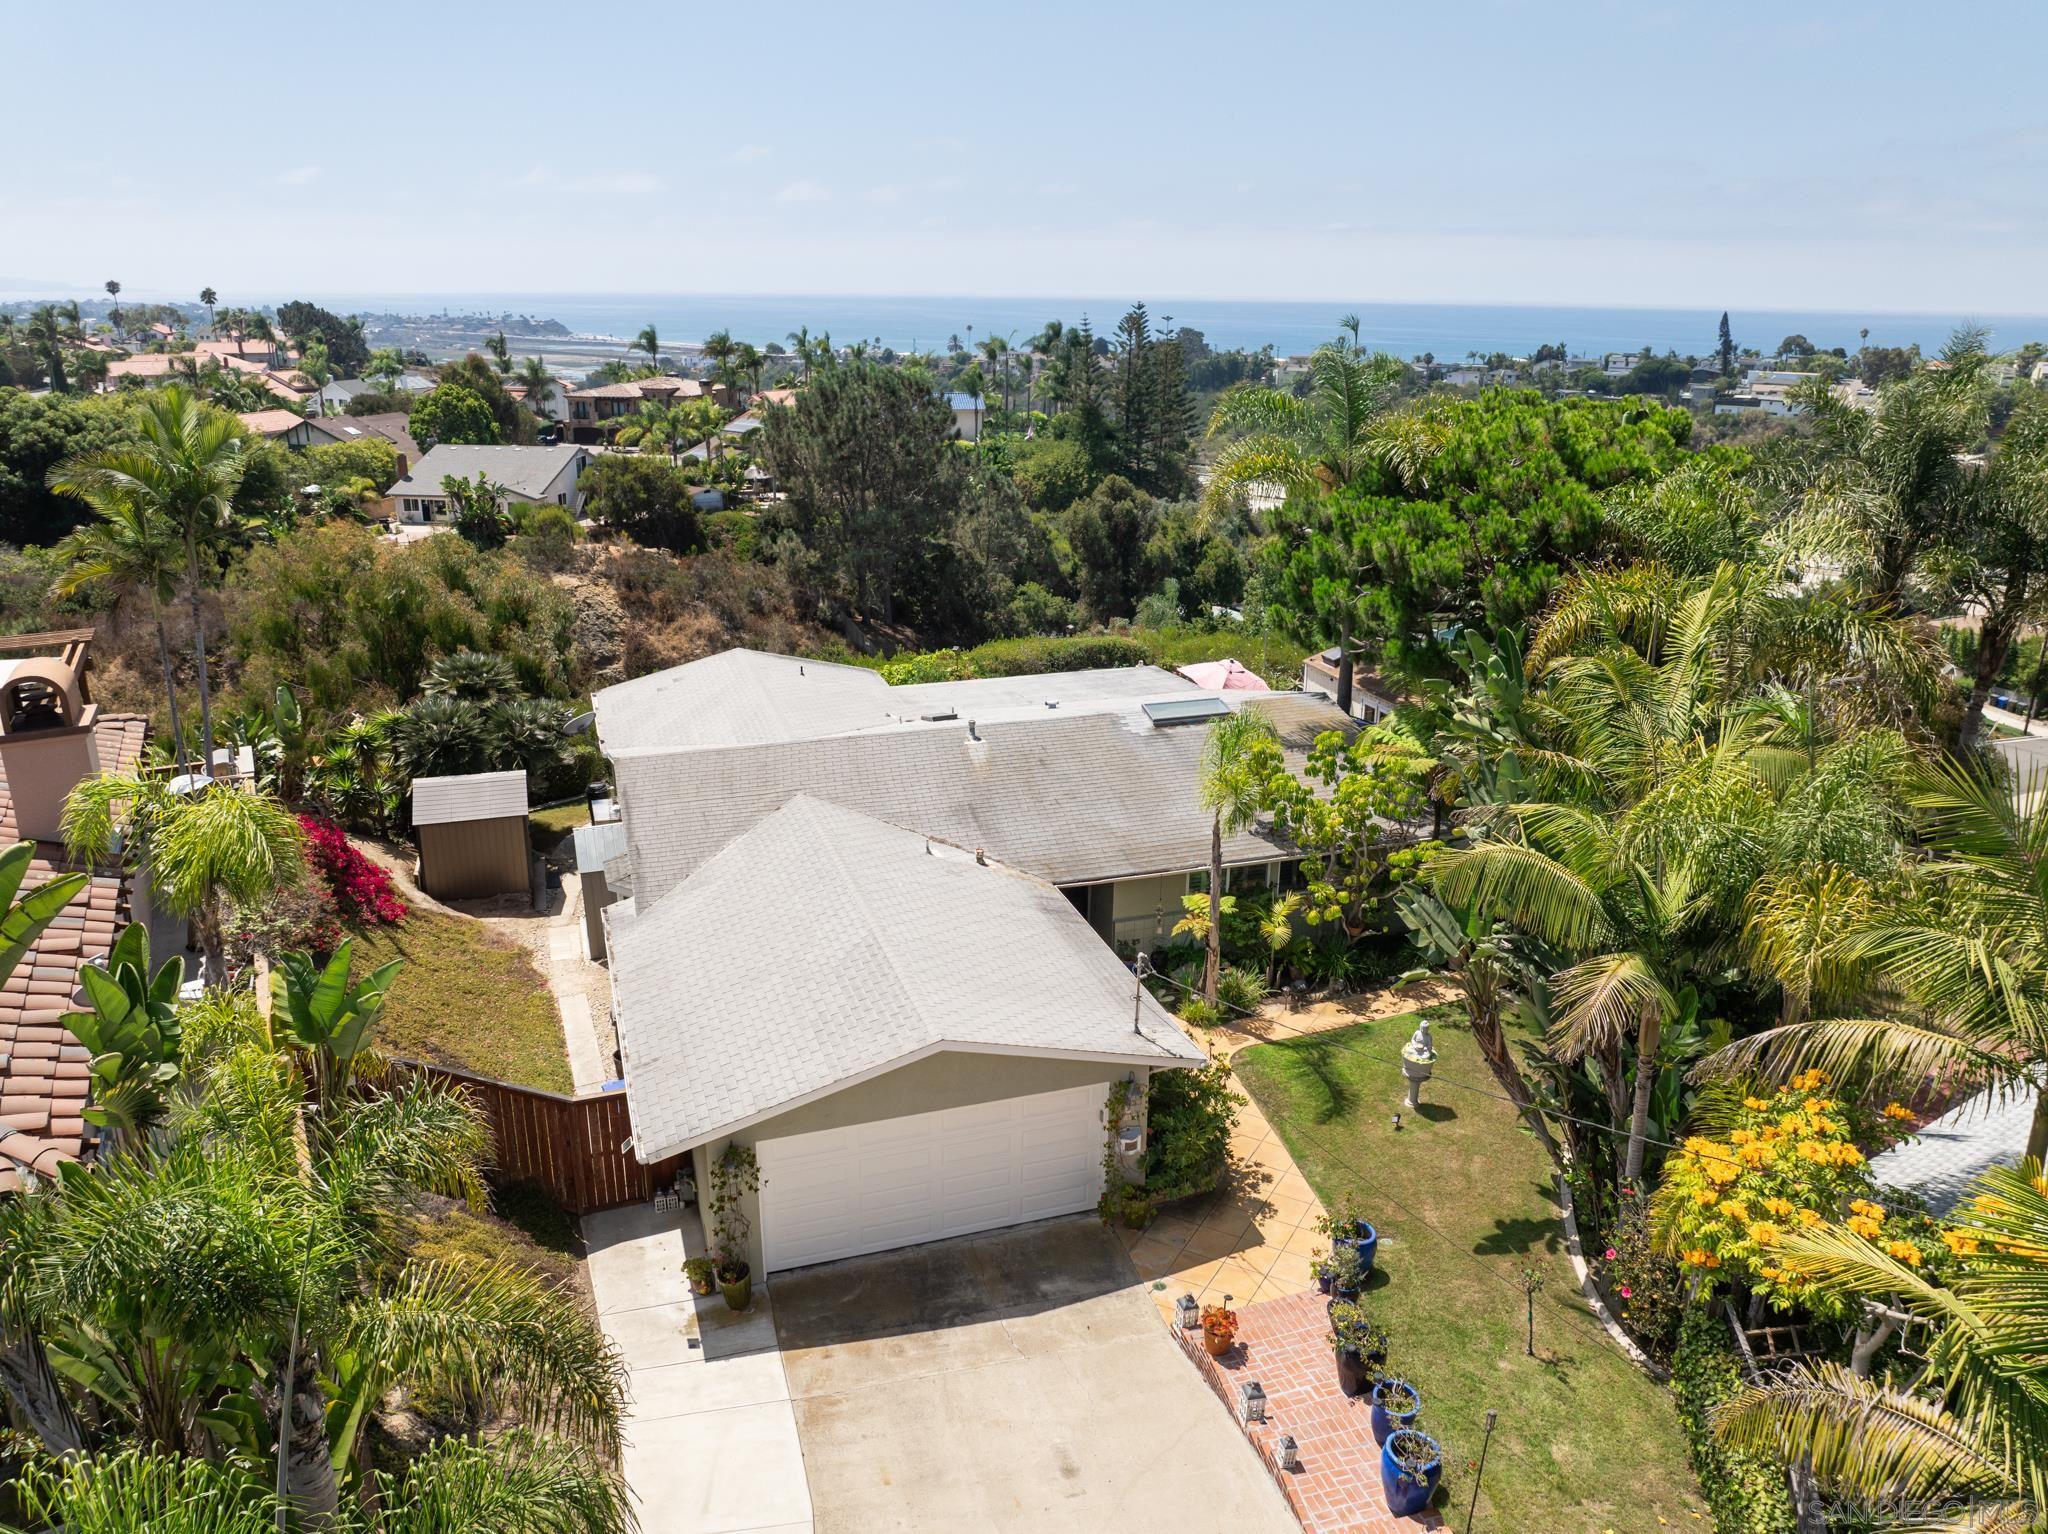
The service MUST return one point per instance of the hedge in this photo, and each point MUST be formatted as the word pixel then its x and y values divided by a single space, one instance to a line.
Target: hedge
pixel 1746 1492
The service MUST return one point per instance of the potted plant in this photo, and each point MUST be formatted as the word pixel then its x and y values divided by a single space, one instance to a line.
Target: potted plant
pixel 735 1176
pixel 1347 1272
pixel 702 1272
pixel 1395 1405
pixel 1411 1464
pixel 1348 1229
pixel 1360 1346
pixel 1219 1328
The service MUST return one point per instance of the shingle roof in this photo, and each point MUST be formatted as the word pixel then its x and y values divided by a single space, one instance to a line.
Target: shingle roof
pixel 750 697
pixel 904 947
pixel 469 796
pixel 43 1069
pixel 524 471
pixel 1072 797
pixel 395 426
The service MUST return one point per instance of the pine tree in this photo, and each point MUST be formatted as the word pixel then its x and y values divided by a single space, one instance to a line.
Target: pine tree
pixel 1727 346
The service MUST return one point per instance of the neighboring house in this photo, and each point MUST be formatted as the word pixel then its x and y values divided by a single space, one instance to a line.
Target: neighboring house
pixel 2039 372
pixel 593 413
pixel 1614 364
pixel 472 835
pixel 1463 377
pixel 968 410
pixel 392 426
pixel 279 425
pixel 900 911
pixel 1373 697
pixel 530 474
pixel 52 737
pixel 333 396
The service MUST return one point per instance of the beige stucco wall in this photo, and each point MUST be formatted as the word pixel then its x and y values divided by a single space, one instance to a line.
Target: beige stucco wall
pixel 938 1082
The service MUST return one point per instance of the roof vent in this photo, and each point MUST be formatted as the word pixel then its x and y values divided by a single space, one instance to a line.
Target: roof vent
pixel 972 733
pixel 941 717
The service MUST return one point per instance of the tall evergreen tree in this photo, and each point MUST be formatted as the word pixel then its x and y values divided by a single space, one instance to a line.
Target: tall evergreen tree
pixel 1726 347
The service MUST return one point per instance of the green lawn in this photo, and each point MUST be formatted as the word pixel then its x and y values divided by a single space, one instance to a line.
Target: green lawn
pixel 466 998
pixel 1585 1441
pixel 548 826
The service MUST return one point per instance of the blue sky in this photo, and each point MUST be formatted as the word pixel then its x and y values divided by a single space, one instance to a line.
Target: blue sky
pixel 1824 154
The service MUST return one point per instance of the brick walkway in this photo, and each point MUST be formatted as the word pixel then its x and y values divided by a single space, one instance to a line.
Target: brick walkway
pixel 1280 1343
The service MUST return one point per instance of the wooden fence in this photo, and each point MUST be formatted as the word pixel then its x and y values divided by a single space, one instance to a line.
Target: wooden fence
pixel 576 1147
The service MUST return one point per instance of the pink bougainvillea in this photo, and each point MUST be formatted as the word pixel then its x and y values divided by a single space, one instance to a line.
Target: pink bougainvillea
pixel 362 891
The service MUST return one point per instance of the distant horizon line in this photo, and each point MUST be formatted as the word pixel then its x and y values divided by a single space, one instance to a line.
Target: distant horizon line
pixel 11 292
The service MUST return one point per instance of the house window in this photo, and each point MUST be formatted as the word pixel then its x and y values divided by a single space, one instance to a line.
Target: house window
pixel 582 411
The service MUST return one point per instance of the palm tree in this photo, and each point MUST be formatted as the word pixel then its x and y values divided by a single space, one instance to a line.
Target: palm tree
pixel 1310 446
pixel 1576 881
pixel 701 420
pixel 186 471
pixel 114 310
pixel 44 334
pixel 654 427
pixel 1967 948
pixel 1964 1446
pixel 131 548
pixel 1238 757
pixel 649 341
pixel 538 382
pixel 501 353
pixel 1878 485
pixel 247 1266
pixel 209 298
pixel 386 365
pixel 719 350
pixel 519 1484
pixel 205 851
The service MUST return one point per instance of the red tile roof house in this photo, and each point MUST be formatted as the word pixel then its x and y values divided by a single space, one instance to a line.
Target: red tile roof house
pixel 52 735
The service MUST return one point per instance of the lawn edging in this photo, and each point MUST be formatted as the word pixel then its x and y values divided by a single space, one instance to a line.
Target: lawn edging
pixel 1591 1290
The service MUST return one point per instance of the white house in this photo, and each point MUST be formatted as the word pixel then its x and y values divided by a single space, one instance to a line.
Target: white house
pixel 874 932
pixel 334 395
pixel 530 474
pixel 968 410
pixel 1372 696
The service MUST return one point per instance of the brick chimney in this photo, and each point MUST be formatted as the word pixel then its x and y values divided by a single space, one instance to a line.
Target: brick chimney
pixel 46 737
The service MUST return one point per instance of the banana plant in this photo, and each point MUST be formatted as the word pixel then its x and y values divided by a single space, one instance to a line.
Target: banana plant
pixel 25 918
pixel 332 1022
pixel 131 1028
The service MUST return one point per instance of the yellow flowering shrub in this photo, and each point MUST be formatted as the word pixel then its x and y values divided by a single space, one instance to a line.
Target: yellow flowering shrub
pixel 1785 1162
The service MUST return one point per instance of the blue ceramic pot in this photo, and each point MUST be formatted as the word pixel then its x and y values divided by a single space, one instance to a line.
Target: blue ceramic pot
pixel 1386 1423
pixel 1408 1491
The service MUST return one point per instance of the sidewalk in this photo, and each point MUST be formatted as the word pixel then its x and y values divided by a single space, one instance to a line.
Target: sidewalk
pixel 711 1441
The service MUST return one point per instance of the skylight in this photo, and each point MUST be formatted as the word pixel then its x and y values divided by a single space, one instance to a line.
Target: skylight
pixel 1185 710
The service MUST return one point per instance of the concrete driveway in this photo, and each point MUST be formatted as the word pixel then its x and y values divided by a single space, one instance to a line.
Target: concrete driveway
pixel 1018 1381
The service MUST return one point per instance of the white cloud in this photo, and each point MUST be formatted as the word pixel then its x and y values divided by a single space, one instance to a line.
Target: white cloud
pixel 537 174
pixel 300 175
pixel 747 154
pixel 803 191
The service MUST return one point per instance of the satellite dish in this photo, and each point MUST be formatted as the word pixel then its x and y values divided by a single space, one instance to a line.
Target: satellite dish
pixel 580 724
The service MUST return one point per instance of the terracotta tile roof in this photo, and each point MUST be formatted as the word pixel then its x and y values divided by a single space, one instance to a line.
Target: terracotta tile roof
pixel 43 1069
pixel 272 423
pixel 637 388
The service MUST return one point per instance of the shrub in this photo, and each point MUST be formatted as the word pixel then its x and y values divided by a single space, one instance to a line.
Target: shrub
pixel 1082 652
pixel 1746 1492
pixel 646 499
pixel 1191 1114
pixel 296 918
pixel 1034 610
pixel 1240 989
pixel 361 891
pixel 730 531
pixel 1784 1162
pixel 928 666
pixel 547 536
pixel 1643 1284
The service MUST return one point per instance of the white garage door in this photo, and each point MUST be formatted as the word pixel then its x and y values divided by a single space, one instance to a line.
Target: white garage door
pixel 896 1182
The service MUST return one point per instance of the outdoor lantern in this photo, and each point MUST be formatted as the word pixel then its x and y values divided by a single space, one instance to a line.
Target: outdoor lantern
pixel 1187 1312
pixel 1288 1451
pixel 1251 1401
pixel 1130 1140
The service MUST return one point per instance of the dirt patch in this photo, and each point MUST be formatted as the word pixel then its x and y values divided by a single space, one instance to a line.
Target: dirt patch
pixel 1279 1019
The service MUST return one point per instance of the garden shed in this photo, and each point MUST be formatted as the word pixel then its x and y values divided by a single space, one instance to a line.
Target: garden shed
pixel 472 835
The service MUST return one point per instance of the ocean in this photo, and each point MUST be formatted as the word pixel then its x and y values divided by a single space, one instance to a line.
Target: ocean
pixel 1449 331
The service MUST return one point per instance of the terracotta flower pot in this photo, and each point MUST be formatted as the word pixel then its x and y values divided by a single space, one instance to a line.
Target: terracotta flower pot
pixel 1218 1343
